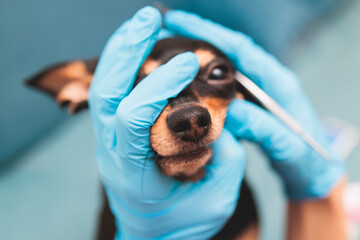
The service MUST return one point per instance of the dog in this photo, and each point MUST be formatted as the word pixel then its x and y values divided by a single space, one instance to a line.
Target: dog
pixel 185 128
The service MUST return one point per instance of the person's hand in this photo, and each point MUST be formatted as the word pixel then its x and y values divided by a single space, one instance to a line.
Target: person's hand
pixel 147 204
pixel 304 173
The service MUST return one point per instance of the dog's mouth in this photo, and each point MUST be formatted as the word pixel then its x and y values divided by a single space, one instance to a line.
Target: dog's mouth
pixel 189 157
pixel 186 166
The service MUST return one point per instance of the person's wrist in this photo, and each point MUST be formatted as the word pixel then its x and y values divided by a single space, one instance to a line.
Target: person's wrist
pixel 318 218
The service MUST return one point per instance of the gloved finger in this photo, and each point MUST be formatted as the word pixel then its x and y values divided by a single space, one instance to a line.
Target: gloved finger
pixel 138 111
pixel 305 173
pixel 228 161
pixel 165 33
pixel 252 60
pixel 123 55
pixel 249 122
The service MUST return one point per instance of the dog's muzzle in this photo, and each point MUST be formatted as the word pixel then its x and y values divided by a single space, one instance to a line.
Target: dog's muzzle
pixel 190 124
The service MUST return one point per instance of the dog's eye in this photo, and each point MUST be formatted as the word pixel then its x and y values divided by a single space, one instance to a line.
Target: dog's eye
pixel 218 73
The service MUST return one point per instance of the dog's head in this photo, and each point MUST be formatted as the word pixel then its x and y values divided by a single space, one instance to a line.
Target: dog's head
pixel 189 123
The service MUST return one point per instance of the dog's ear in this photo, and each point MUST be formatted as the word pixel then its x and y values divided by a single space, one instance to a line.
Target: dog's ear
pixel 67 82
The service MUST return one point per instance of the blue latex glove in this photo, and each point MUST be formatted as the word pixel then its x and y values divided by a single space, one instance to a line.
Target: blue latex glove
pixel 304 173
pixel 147 204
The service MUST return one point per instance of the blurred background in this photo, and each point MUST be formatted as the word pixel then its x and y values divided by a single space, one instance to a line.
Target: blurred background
pixel 49 185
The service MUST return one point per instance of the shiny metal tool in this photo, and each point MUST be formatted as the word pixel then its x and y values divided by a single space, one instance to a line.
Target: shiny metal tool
pixel 269 104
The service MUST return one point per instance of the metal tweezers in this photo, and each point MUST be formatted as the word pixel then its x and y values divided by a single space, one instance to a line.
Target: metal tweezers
pixel 272 106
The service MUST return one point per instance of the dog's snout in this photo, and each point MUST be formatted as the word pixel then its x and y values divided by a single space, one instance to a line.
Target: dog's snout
pixel 190 124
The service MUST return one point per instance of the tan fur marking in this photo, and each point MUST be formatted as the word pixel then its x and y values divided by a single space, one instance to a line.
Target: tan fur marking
pixel 149 66
pixel 219 105
pixel 204 57
pixel 239 95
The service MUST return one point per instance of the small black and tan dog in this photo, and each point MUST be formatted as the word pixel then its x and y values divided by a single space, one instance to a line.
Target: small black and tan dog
pixel 184 130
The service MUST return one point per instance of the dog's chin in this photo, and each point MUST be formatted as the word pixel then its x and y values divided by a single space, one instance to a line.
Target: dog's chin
pixel 186 166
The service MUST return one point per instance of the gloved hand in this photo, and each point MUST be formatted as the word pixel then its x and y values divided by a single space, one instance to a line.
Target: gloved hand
pixel 147 204
pixel 304 173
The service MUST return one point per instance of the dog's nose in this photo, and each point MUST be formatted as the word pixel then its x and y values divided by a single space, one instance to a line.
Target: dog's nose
pixel 190 124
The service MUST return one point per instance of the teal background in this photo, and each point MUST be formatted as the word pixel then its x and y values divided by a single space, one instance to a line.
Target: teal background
pixel 49 185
